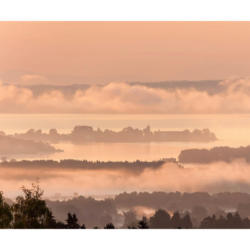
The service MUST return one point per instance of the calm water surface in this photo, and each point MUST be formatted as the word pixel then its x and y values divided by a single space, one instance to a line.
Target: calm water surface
pixel 231 130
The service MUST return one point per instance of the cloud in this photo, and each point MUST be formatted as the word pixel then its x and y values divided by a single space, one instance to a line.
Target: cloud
pixel 125 98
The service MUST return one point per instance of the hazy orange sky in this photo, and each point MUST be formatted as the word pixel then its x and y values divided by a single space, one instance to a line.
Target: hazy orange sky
pixel 100 52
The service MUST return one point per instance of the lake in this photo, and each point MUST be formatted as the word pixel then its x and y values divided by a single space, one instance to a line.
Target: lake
pixel 231 130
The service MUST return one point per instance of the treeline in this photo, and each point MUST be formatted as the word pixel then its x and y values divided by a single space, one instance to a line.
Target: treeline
pixel 30 211
pixel 84 164
pixel 230 221
pixel 171 201
pixel 125 208
pixel 83 134
pixel 204 156
pixel 162 220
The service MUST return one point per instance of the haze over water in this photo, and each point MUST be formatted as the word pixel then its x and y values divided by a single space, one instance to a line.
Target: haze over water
pixel 58 75
pixel 231 130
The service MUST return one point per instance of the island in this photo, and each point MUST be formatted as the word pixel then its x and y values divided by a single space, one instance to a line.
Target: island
pixel 86 134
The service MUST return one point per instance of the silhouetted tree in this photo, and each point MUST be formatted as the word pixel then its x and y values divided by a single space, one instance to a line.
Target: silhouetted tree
pixel 161 219
pixel 72 221
pixel 30 211
pixel 209 222
pixel 109 226
pixel 143 223
pixel 5 213
pixel 186 222
pixel 232 220
pixel 176 221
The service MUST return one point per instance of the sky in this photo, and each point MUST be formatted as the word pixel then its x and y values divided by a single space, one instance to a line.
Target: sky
pixel 103 52
pixel 108 56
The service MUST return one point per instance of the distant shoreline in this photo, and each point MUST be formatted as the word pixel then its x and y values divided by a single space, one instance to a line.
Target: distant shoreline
pixel 82 134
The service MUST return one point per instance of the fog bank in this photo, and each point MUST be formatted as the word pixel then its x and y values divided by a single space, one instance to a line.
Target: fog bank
pixel 120 97
pixel 217 177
